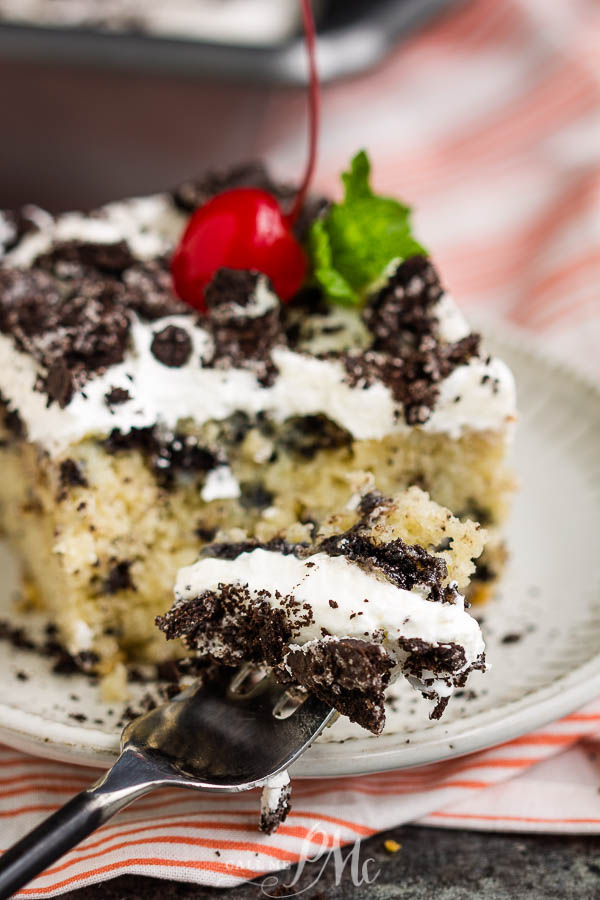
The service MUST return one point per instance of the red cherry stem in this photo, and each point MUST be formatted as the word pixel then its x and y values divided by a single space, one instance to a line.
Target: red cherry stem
pixel 314 107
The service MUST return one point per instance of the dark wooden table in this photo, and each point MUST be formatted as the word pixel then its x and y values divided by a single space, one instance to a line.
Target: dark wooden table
pixel 431 863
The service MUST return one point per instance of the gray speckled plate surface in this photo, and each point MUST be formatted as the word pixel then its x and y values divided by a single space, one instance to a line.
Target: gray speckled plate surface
pixel 548 607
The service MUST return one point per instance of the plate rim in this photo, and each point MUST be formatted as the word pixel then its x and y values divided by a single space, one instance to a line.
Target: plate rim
pixel 94 748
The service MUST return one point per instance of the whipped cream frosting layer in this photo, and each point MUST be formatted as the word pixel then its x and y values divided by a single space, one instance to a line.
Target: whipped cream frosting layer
pixel 479 395
pixel 335 589
pixel 150 225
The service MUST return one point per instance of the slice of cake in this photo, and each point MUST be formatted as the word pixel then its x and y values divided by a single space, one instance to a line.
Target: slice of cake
pixel 137 429
pixel 373 597
pixel 342 615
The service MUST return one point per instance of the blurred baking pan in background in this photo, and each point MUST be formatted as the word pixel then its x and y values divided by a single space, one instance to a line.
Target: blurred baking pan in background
pixel 105 98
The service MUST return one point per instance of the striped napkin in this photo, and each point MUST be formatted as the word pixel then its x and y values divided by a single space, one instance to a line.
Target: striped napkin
pixel 489 123
pixel 545 781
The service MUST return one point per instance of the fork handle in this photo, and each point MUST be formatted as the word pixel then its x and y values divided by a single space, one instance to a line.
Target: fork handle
pixel 73 822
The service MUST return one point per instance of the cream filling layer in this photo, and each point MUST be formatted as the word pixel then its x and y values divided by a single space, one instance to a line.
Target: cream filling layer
pixel 478 396
pixel 344 599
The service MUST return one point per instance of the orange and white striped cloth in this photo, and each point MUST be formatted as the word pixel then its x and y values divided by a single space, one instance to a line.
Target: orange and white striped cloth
pixel 488 122
pixel 545 781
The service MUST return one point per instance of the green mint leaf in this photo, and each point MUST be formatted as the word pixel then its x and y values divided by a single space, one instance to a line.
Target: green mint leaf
pixel 351 246
pixel 334 284
pixel 356 181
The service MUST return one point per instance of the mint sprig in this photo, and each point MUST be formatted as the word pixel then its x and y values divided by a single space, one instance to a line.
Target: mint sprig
pixel 353 243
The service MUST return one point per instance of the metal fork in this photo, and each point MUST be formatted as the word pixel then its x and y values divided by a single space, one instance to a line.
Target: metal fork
pixel 212 737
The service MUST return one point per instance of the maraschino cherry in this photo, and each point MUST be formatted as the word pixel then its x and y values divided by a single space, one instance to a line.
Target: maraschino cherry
pixel 245 228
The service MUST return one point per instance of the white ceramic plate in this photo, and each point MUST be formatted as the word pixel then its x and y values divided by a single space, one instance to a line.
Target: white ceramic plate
pixel 550 599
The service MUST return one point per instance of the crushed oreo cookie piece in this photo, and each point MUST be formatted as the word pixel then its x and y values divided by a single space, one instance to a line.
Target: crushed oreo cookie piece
pixel 403 310
pixel 149 290
pixel 205 533
pixel 16 223
pixel 76 258
pixel 59 383
pixel 442 659
pixel 370 502
pixel 230 291
pixel 405 565
pixel 308 302
pixel 254 495
pixel 71 474
pixel 116 396
pixel 407 353
pixel 307 435
pixel 230 550
pixel 73 311
pixel 246 629
pixel 11 419
pixel 271 819
pixel 512 637
pixel 167 453
pixel 413 378
pixel 71 328
pixel 172 346
pixel 15 636
pixel 349 674
pixel 243 335
pixel 425 662
pixel 50 648
pixel 119 578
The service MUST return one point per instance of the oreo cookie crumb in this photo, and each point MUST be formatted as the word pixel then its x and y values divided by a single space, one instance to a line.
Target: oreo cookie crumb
pixel 405 565
pixel 116 395
pixel 413 376
pixel 193 193
pixel 17 223
pixel 80 257
pixel 149 290
pixel 167 453
pixel 249 629
pixel 349 674
pixel 59 383
pixel 229 550
pixel 230 288
pixel 11 419
pixel 15 635
pixel 206 533
pixel 511 638
pixel 119 578
pixel 71 475
pixel 243 338
pixel 403 311
pixel 271 819
pixel 254 495
pixel 407 352
pixel 172 346
pixel 307 435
